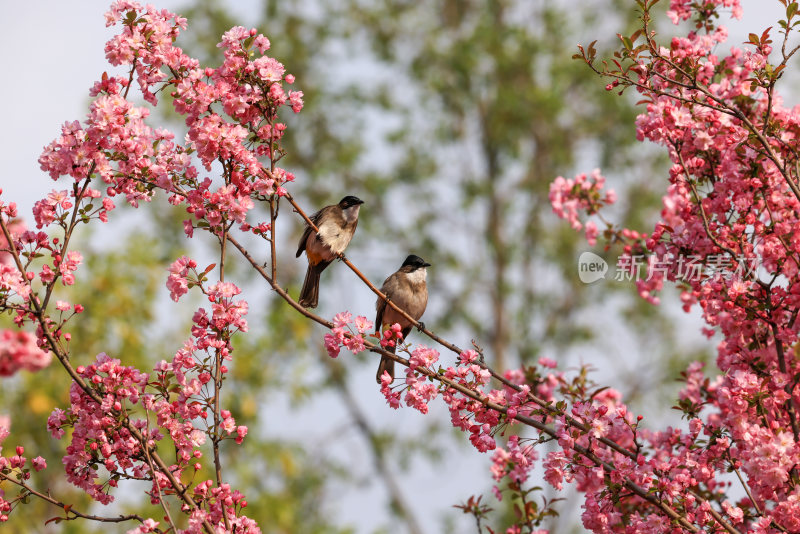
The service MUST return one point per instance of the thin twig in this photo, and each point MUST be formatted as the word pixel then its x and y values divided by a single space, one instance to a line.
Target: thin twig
pixel 155 482
pixel 528 421
pixel 68 508
pixel 790 408
pixel 63 359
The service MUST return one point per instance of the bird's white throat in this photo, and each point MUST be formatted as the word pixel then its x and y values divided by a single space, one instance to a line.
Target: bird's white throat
pixel 418 276
pixel 351 213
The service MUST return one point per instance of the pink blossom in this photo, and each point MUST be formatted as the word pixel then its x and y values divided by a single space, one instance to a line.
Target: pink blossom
pixel 39 463
pixel 19 350
pixel 469 356
pixel 363 325
pixel 342 319
pixel 177 281
pixel 332 345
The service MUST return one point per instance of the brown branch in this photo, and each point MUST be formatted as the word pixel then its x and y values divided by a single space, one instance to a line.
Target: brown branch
pixel 273 215
pixel 130 78
pixel 747 490
pixel 381 295
pixel 790 408
pixel 164 506
pixel 528 421
pixel 454 348
pixel 738 113
pixel 68 507
pixel 703 215
pixel 63 359
pixel 68 231
pixel 216 438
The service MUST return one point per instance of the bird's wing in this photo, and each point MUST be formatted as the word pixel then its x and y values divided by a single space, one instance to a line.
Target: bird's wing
pixel 380 305
pixel 307 232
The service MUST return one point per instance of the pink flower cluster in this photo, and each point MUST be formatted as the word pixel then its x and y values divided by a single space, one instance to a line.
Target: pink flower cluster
pixel 12 282
pixel 14 466
pixel 514 462
pixel 16 227
pixel 116 414
pixel 218 502
pixel 392 336
pixel 178 280
pixel 100 437
pixel 231 112
pixel 349 335
pixel 104 433
pixel 19 350
pixel 683 9
pixel 584 194
pixel 732 191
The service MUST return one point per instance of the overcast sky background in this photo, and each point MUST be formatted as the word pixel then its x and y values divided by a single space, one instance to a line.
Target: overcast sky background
pixel 53 51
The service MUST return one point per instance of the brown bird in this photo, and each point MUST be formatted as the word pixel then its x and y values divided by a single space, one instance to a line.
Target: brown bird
pixel 337 224
pixel 408 290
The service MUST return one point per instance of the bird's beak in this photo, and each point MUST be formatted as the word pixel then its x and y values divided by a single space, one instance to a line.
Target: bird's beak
pixel 426 264
pixel 360 201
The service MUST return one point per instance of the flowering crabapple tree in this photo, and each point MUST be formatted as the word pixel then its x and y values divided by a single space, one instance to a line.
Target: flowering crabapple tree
pixel 734 191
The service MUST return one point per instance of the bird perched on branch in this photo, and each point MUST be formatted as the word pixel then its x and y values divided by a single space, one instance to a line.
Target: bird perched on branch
pixel 336 224
pixel 408 290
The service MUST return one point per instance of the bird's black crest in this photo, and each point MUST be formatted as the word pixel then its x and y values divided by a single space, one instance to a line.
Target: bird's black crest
pixel 349 201
pixel 415 261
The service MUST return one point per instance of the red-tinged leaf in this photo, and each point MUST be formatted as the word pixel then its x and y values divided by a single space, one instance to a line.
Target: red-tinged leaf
pixel 209 268
pixel 55 520
pixel 753 38
pixel 67 507
pixel 765 36
pixel 791 10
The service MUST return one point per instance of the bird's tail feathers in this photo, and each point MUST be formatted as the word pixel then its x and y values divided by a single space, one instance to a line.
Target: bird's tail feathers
pixel 309 295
